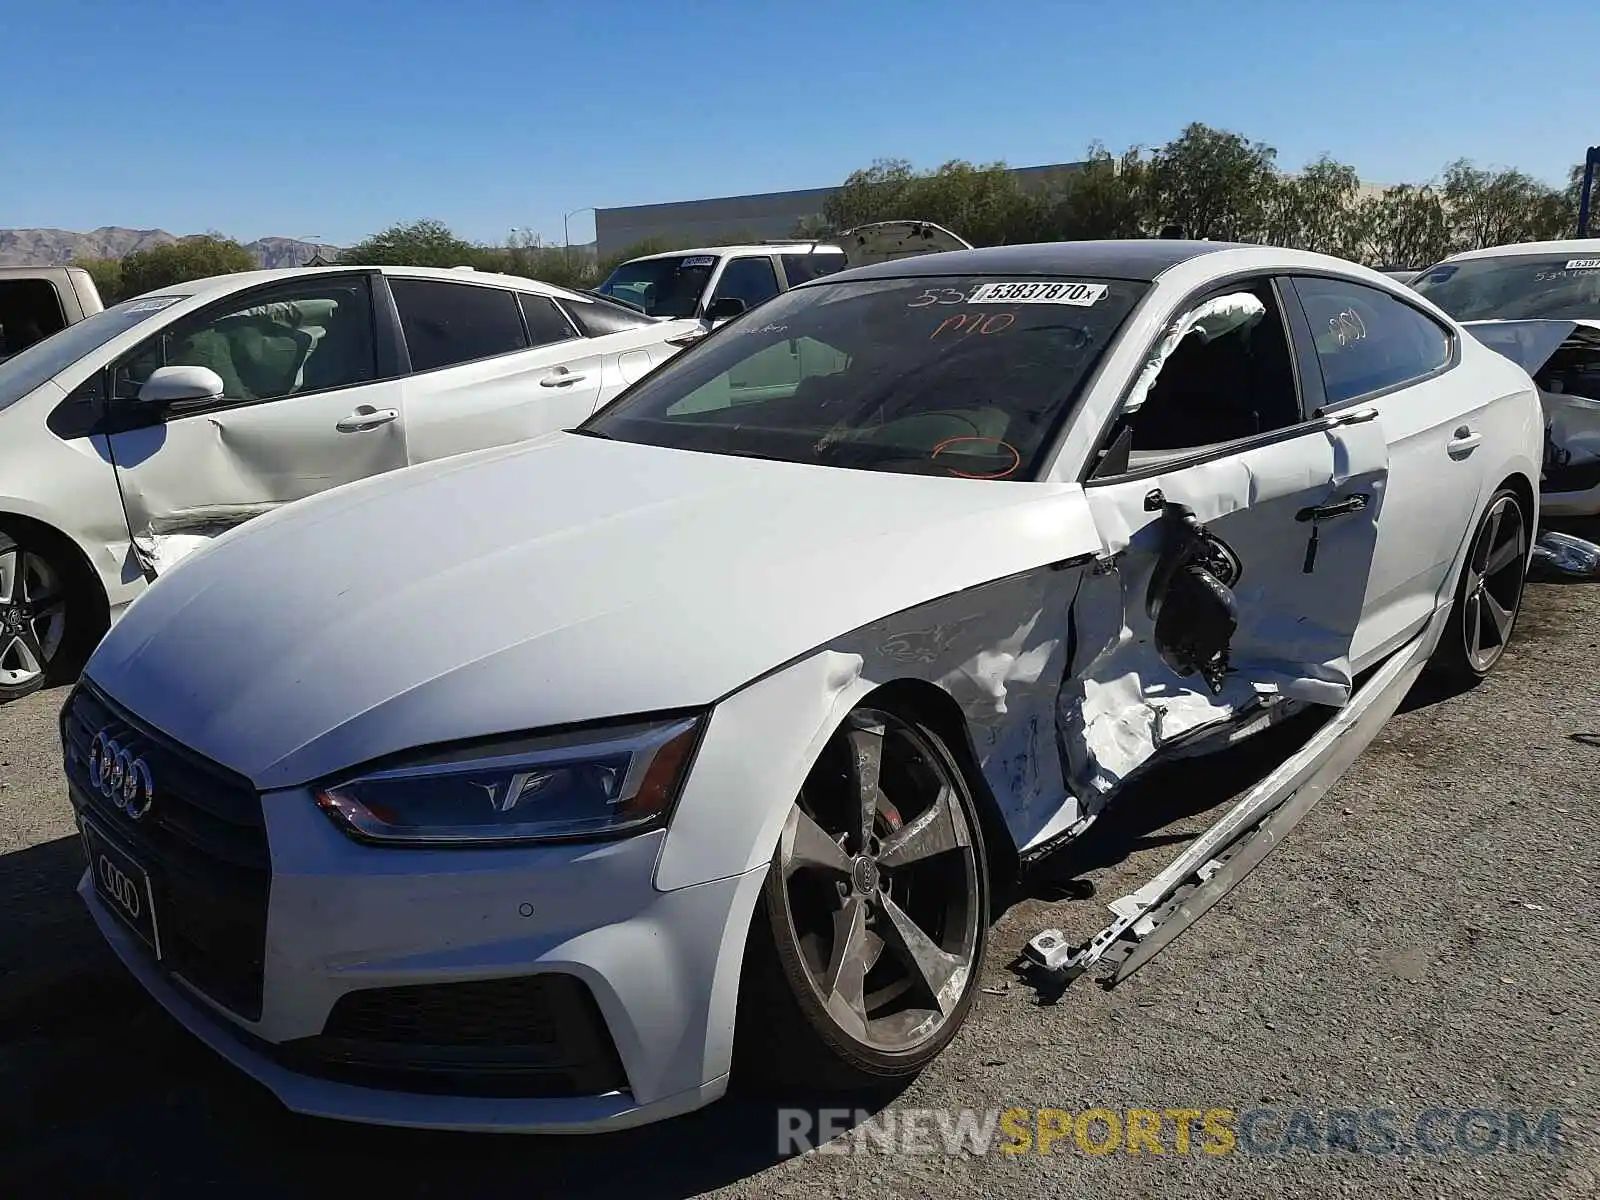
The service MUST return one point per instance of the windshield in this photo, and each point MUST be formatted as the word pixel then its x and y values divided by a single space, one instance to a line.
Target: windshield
pixel 662 287
pixel 1511 286
pixel 968 376
pixel 48 358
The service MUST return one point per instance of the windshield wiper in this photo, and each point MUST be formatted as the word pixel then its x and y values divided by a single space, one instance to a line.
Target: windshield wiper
pixel 583 431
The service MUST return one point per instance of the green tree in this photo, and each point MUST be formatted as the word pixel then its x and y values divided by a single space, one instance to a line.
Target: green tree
pixel 983 203
pixel 1107 198
pixel 1407 226
pixel 1214 184
pixel 1315 210
pixel 198 257
pixel 424 243
pixel 107 276
pixel 1493 208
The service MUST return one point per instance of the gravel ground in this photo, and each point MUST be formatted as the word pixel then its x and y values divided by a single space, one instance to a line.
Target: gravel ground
pixel 1425 939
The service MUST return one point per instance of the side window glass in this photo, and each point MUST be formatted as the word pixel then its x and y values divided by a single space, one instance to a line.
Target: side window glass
pixel 750 279
pixel 307 338
pixel 546 325
pixel 1222 372
pixel 1367 340
pixel 798 268
pixel 448 323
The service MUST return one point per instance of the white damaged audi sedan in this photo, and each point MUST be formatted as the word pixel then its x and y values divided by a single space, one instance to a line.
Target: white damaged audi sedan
pixel 550 786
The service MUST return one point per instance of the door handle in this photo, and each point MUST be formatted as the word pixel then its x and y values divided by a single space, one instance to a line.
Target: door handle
pixel 367 418
pixel 1338 508
pixel 1359 417
pixel 1464 441
pixel 561 378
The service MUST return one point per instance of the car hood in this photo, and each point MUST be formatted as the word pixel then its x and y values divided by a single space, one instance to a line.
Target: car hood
pixel 562 580
pixel 884 241
pixel 1530 343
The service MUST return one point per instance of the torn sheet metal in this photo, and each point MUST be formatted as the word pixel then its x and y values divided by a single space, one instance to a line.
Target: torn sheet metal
pixel 1213 319
pixel 1566 556
pixel 1000 652
pixel 1159 911
pixel 1295 505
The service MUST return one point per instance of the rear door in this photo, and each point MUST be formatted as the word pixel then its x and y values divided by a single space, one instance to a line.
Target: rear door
pixel 1370 350
pixel 309 402
pixel 491 366
pixel 1237 539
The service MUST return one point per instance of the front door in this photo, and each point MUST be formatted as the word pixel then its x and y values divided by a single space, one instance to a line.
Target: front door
pixel 302 410
pixel 1237 540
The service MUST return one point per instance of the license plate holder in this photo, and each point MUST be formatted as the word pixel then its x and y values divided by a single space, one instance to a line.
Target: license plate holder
pixel 122 884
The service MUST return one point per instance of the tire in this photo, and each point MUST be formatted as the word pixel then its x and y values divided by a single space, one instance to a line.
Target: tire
pixel 45 627
pixel 1488 594
pixel 905 878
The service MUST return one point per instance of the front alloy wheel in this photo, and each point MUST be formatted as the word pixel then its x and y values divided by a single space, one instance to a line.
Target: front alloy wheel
pixel 876 907
pixel 33 619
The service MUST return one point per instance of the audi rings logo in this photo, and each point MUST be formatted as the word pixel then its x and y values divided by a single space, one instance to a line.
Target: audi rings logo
pixel 119 886
pixel 120 776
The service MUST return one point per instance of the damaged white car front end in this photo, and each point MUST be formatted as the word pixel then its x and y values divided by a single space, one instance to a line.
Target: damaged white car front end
pixel 722 719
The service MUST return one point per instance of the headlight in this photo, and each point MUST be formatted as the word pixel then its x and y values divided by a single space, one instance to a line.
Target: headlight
pixel 585 784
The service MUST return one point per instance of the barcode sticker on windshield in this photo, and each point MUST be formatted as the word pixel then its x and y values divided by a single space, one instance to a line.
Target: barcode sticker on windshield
pixel 154 304
pixel 699 260
pixel 1039 292
pixel 1583 264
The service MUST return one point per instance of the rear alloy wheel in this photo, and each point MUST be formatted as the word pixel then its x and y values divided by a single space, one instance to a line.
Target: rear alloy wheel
pixel 33 619
pixel 876 914
pixel 1489 594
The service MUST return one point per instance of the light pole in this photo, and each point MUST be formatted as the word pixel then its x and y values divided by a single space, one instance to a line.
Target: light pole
pixel 314 239
pixel 566 237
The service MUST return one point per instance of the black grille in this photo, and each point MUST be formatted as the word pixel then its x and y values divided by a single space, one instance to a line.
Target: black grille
pixel 204 843
pixel 540 1035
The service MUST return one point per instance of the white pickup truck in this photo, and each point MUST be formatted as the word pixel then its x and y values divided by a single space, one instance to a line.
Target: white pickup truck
pixel 715 283
pixel 38 301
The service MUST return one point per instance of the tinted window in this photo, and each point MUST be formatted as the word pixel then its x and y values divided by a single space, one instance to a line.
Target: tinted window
pixel 47 359
pixel 1511 286
pixel 448 323
pixel 937 377
pixel 546 325
pixel 30 311
pixel 797 268
pixel 306 337
pixel 1368 340
pixel 662 287
pixel 750 279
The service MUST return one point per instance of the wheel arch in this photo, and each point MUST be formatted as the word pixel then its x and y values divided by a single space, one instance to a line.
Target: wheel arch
pixel 68 552
pixel 937 709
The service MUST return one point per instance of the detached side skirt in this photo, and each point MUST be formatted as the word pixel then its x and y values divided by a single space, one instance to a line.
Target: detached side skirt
pixel 1150 919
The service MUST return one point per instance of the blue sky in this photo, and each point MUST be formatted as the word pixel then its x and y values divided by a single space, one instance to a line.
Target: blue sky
pixel 339 117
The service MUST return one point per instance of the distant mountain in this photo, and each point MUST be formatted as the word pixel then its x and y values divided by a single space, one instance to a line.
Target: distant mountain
pixel 57 247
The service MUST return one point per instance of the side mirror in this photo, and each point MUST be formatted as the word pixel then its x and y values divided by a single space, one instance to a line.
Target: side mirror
pixel 725 308
pixel 173 385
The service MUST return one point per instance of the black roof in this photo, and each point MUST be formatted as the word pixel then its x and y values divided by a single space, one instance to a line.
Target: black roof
pixel 1140 260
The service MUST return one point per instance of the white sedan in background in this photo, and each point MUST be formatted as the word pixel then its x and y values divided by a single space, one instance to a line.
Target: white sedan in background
pixel 1538 303
pixel 545 788
pixel 134 436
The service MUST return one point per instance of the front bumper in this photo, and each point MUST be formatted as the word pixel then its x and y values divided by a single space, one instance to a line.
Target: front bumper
pixel 662 967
